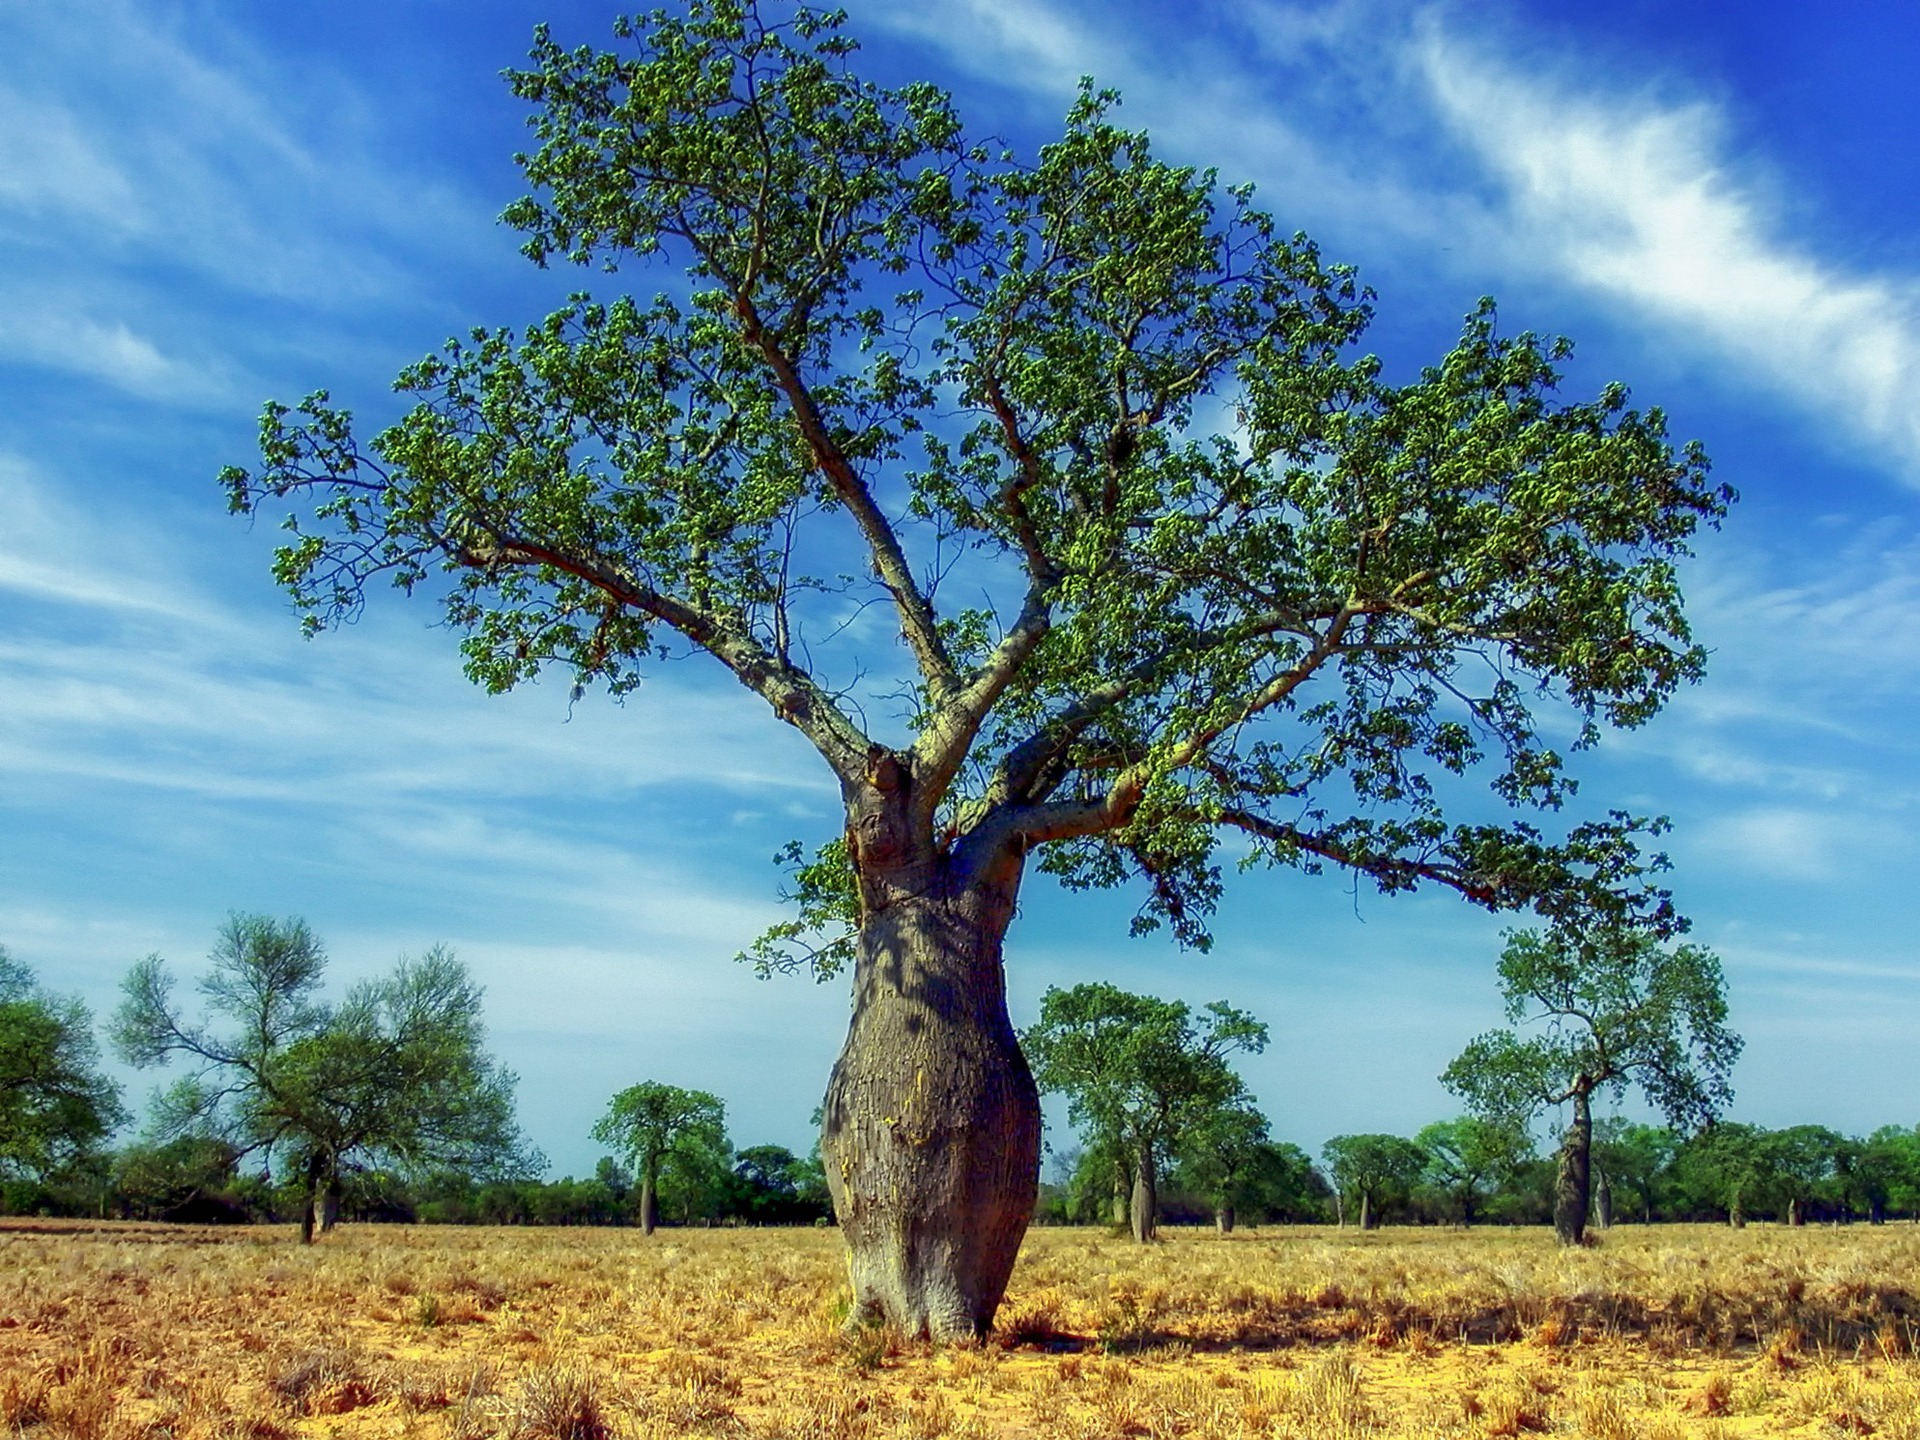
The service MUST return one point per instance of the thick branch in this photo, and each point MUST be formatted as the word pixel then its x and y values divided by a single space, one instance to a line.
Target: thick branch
pixel 889 560
pixel 792 693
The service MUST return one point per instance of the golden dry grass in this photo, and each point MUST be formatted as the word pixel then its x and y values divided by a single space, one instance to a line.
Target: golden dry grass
pixel 127 1332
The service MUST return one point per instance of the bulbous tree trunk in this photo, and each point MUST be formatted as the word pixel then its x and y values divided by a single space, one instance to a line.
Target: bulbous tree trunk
pixel 1796 1211
pixel 931 1134
pixel 649 1196
pixel 1367 1220
pixel 1145 1212
pixel 1223 1218
pixel 1602 1199
pixel 330 1204
pixel 1572 1190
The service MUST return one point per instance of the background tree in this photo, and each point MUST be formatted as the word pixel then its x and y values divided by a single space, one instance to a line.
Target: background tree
pixel 1635 1159
pixel 1470 1156
pixel 1726 1167
pixel 1146 1073
pixel 1371 1171
pixel 396 1074
pixel 1801 1161
pixel 55 1105
pixel 1287 1186
pixel 958 364
pixel 1220 1158
pixel 189 1178
pixel 1610 1006
pixel 651 1124
pixel 1884 1170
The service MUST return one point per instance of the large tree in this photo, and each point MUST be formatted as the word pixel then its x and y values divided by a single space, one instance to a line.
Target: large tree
pixel 395 1074
pixel 1165 556
pixel 1141 1075
pixel 55 1104
pixel 1605 1006
pixel 651 1124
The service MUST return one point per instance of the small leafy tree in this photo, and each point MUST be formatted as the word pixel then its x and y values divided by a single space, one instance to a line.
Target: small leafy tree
pixel 55 1105
pixel 653 1125
pixel 1371 1171
pixel 1607 1006
pixel 396 1074
pixel 1635 1158
pixel 1287 1186
pixel 1218 574
pixel 1470 1157
pixel 1220 1158
pixel 1142 1072
pixel 1728 1167
pixel 1802 1161
pixel 1883 1170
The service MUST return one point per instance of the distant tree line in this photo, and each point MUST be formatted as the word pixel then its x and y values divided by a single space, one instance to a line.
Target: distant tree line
pixel 385 1106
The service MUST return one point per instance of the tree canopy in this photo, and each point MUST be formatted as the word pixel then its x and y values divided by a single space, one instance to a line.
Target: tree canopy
pixel 1470 1156
pixel 1166 555
pixel 55 1104
pixel 395 1074
pixel 1371 1169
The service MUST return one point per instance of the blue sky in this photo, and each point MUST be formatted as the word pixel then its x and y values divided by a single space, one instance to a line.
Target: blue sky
pixel 206 204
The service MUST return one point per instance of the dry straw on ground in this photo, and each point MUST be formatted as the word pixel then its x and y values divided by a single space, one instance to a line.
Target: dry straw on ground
pixel 127 1332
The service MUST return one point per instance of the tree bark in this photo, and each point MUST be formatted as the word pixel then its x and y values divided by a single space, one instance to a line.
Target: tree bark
pixel 1572 1192
pixel 1796 1211
pixel 1223 1218
pixel 931 1133
pixel 1145 1213
pixel 330 1205
pixel 306 1213
pixel 649 1197
pixel 1366 1210
pixel 1602 1200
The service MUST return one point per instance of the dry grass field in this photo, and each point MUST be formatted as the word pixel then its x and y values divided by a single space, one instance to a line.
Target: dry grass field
pixel 130 1332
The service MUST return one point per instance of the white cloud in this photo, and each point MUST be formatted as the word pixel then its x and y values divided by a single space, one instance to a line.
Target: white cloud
pixel 105 350
pixel 153 198
pixel 1639 200
pixel 137 678
pixel 1447 148
pixel 1780 842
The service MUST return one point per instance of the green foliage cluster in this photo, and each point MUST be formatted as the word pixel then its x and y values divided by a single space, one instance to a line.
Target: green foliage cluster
pixel 55 1104
pixel 1603 1008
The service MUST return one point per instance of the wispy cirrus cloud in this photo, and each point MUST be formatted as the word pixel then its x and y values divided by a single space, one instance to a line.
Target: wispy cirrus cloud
pixel 1461 147
pixel 156 183
pixel 1639 200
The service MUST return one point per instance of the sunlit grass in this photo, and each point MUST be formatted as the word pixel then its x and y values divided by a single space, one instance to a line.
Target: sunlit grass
pixel 149 1333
